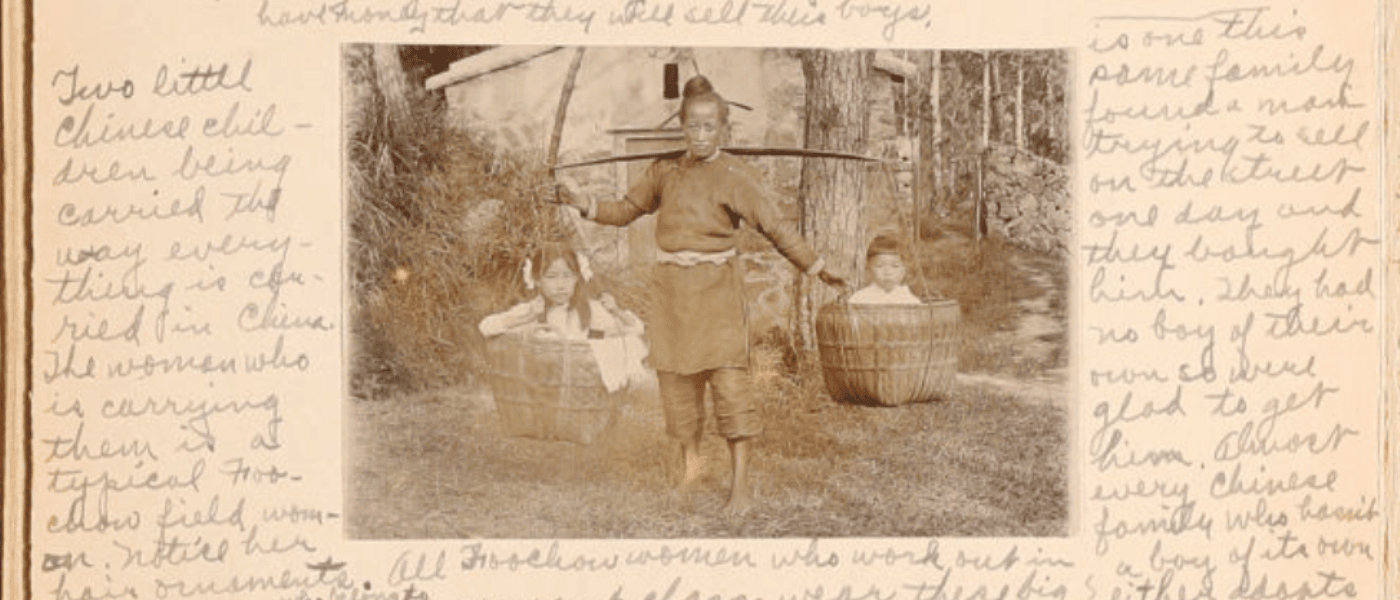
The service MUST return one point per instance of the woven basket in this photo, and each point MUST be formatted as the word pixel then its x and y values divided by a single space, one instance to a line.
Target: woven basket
pixel 888 355
pixel 548 388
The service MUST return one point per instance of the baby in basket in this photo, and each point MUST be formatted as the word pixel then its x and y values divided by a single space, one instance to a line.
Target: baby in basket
pixel 564 309
pixel 886 268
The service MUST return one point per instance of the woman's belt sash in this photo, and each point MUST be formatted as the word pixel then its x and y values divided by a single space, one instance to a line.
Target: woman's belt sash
pixel 691 258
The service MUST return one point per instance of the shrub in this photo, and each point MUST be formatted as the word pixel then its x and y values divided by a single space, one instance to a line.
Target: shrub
pixel 440 223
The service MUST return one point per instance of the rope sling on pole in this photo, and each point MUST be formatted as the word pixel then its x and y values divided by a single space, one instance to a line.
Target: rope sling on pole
pixel 566 220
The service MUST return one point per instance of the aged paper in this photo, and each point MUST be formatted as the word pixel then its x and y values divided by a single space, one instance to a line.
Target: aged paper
pixel 183 414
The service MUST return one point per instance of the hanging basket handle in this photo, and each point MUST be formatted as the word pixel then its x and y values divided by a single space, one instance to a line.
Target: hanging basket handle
pixel 845 296
pixel 556 135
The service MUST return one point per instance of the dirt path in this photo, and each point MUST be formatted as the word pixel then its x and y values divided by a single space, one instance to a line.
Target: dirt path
pixel 1040 334
pixel 1051 388
pixel 1040 338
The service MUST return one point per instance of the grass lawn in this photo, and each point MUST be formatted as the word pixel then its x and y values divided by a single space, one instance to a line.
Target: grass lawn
pixel 990 462
pixel 436 465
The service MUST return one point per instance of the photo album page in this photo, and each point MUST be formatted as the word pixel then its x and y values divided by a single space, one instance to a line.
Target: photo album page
pixel 699 300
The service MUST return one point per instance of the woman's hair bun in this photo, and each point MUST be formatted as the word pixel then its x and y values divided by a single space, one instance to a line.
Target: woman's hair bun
pixel 698 89
pixel 697 86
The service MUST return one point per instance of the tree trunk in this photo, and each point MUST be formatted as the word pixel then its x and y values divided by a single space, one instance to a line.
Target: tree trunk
pixel 998 123
pixel 935 93
pixel 924 191
pixel 978 209
pixel 388 73
pixel 831 191
pixel 1020 122
pixel 986 99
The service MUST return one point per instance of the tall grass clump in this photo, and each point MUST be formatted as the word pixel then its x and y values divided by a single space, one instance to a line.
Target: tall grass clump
pixel 440 223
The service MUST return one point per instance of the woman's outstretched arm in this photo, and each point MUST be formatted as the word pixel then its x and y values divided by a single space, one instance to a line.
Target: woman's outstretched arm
pixel 640 200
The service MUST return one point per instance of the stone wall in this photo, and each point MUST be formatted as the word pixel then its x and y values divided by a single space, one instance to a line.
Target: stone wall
pixel 1028 200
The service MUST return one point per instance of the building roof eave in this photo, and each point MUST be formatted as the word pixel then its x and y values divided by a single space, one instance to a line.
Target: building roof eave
pixel 484 63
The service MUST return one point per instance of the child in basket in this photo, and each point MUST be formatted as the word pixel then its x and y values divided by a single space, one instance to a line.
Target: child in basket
pixel 564 310
pixel 886 268
pixel 699 330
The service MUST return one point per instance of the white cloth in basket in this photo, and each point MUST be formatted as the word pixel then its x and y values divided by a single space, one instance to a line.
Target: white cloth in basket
pixel 620 360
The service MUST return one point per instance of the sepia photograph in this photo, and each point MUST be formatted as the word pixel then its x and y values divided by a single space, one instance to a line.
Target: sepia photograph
pixel 699 299
pixel 693 292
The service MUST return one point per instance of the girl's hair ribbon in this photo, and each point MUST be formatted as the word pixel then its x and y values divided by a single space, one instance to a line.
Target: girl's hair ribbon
pixel 584 270
pixel 525 271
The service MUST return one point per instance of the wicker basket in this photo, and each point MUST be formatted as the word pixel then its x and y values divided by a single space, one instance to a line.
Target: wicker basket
pixel 888 355
pixel 549 388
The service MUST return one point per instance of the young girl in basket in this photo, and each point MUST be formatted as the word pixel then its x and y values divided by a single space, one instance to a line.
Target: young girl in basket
pixel 564 310
pixel 699 332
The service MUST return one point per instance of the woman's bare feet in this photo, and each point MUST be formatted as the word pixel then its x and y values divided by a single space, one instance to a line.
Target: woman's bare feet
pixel 694 467
pixel 740 494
